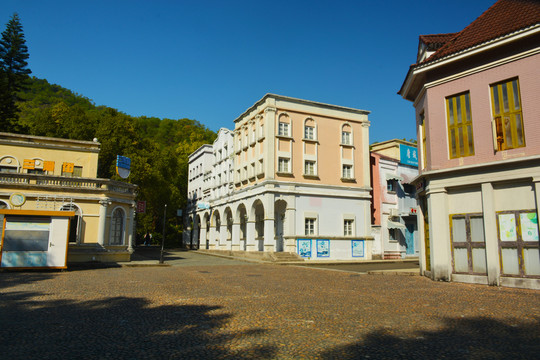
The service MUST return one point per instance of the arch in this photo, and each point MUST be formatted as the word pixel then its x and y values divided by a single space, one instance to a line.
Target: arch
pixel 75 223
pixel 118 226
pixel 229 221
pixel 310 129
pixel 6 162
pixel 206 219
pixel 242 217
pixel 4 205
pixel 257 213
pixel 347 134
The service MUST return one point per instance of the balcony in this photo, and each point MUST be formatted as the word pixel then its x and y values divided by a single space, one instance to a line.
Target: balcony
pixel 48 182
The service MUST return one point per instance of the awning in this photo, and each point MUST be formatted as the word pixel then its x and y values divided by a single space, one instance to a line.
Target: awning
pixel 395 225
pixel 393 177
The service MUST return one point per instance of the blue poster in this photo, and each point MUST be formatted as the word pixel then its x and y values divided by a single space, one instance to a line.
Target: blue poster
pixel 357 248
pixel 408 155
pixel 304 247
pixel 323 248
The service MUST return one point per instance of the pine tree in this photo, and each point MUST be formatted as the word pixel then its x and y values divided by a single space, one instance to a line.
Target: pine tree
pixel 13 72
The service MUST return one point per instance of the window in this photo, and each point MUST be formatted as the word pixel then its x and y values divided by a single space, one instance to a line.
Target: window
pixel 117 227
pixel 507 116
pixel 310 226
pixel 460 134
pixel 393 234
pixel 347 172
pixel 391 185
pixel 283 129
pixel 468 243
pixel 346 138
pixel 283 165
pixel 409 189
pixel 518 243
pixel 348 227
pixel 309 167
pixel 309 132
pixel 8 169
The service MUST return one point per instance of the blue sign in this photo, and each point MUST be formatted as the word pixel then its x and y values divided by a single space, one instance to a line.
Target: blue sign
pixel 408 155
pixel 123 162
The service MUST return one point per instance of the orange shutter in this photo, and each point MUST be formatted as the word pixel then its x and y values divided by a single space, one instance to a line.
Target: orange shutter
pixel 29 164
pixel 67 167
pixel 48 166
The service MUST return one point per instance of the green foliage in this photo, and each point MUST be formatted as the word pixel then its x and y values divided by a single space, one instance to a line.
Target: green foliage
pixel 158 149
pixel 13 73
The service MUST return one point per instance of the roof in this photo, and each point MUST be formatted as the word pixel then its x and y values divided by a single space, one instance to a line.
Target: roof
pixel 300 101
pixel 436 41
pixel 502 18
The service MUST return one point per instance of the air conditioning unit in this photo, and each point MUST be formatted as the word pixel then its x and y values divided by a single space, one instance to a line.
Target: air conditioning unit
pixel 394 212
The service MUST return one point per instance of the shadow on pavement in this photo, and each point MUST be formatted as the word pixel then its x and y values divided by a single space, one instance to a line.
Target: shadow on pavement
pixel 118 328
pixel 470 338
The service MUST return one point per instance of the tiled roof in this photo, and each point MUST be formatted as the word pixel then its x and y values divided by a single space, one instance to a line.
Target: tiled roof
pixel 435 41
pixel 502 18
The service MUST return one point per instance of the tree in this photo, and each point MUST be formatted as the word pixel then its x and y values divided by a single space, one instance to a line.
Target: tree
pixel 14 71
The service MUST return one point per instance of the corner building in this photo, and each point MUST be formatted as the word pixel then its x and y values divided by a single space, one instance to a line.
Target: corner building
pixel 478 117
pixel 300 183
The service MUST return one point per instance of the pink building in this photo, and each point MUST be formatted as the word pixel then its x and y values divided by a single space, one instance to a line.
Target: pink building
pixel 476 95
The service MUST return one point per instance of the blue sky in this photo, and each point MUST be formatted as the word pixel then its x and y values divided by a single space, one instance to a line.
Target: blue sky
pixel 211 60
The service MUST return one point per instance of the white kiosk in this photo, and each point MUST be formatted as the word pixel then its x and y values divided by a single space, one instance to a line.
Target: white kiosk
pixel 34 239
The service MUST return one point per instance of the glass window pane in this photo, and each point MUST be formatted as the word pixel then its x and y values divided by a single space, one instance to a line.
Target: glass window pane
pixel 470 138
pixel 461 142
pixel 529 226
pixel 505 97
pixel 477 229
pixel 461 262
pixel 515 92
pixel 453 142
pixel 458 230
pixel 510 262
pixel 479 260
pixel 458 110
pixel 519 130
pixel 508 132
pixel 531 259
pixel 507 227
pixel 495 92
pixel 451 111
pixel 468 107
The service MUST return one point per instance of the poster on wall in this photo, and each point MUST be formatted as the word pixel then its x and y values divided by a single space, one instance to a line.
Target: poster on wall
pixel 357 248
pixel 507 227
pixel 529 226
pixel 323 248
pixel 304 247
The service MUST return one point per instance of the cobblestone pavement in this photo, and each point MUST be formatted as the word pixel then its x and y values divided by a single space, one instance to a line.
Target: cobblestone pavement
pixel 259 311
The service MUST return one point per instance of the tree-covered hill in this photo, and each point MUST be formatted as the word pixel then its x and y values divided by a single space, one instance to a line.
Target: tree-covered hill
pixel 158 148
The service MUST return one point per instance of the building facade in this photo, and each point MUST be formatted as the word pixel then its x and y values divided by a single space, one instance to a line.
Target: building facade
pixel 477 115
pixel 45 175
pixel 394 165
pixel 300 183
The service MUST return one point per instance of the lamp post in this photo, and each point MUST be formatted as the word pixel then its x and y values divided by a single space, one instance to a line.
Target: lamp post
pixel 163 240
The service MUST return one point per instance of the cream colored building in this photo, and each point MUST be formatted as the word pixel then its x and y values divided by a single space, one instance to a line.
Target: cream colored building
pixel 301 183
pixel 50 174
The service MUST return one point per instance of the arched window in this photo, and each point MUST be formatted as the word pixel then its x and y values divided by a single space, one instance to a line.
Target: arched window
pixel 310 129
pixel 346 135
pixel 4 205
pixel 117 227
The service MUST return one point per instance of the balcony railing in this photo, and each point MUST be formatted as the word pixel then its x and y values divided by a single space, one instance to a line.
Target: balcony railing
pixel 47 181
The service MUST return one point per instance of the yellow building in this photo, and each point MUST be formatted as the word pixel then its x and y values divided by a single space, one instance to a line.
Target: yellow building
pixel 43 175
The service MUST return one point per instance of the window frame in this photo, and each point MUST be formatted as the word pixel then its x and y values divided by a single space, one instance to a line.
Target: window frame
pixel 313 168
pixel 468 244
pixel 310 226
pixel 284 129
pixel 351 172
pixel 288 163
pixel 114 230
pixel 459 125
pixel 509 88
pixel 348 227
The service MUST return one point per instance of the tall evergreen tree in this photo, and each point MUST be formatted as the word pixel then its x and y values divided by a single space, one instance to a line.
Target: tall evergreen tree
pixel 14 71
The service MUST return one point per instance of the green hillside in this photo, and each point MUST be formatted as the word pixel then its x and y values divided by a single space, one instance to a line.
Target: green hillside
pixel 158 148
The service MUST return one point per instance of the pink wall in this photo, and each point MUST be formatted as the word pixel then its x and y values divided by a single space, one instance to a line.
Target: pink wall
pixel 528 72
pixel 376 192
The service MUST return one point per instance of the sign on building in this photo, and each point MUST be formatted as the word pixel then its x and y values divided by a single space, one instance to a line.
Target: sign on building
pixel 408 155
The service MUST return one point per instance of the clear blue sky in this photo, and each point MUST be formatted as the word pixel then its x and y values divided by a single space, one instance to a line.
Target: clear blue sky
pixel 211 60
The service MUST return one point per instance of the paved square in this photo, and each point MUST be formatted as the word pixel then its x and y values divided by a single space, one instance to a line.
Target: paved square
pixel 254 311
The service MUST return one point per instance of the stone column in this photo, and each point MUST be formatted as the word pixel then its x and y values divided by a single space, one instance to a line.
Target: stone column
pixel 441 256
pixel 223 235
pixel 289 227
pixel 131 228
pixel 490 234
pixel 195 236
pixel 102 221
pixel 250 235
pixel 203 238
pixel 235 241
pixel 269 229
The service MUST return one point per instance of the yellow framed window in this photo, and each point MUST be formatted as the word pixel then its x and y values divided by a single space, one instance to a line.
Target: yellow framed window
pixel 508 132
pixel 460 132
